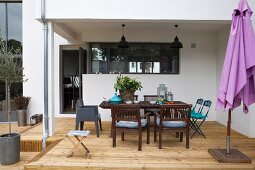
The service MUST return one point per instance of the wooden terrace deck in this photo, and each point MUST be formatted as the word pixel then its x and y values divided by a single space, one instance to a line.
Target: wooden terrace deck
pixel 125 155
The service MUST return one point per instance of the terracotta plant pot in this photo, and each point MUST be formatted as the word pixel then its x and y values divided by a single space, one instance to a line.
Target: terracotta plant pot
pixel 127 95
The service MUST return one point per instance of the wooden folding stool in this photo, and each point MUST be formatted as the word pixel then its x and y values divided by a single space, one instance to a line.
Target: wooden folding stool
pixel 79 136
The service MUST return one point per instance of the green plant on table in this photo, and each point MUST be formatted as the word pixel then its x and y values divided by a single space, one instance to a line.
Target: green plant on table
pixel 127 83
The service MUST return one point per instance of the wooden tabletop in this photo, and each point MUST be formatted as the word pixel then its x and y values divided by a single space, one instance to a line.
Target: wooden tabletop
pixel 142 104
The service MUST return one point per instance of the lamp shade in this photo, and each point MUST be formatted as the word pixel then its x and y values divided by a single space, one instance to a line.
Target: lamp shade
pixel 176 43
pixel 123 43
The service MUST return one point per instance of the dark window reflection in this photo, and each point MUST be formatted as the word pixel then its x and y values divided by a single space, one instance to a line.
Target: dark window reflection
pixel 117 60
pixel 11 30
pixel 3 19
pixel 148 58
pixel 14 26
pixel 98 57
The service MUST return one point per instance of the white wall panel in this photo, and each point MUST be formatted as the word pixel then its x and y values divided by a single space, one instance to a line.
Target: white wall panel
pixel 197 76
pixel 142 9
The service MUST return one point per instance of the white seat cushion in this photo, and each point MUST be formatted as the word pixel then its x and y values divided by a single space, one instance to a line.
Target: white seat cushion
pixel 78 133
pixel 172 124
pixel 131 125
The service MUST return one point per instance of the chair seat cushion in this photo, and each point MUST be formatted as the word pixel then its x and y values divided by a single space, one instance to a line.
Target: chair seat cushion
pixel 130 124
pixel 78 133
pixel 197 115
pixel 172 124
pixel 153 110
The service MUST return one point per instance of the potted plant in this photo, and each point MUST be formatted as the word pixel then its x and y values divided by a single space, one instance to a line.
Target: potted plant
pixel 11 71
pixel 21 104
pixel 127 87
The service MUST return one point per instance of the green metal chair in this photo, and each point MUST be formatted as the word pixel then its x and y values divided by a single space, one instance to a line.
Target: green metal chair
pixel 196 109
pixel 202 114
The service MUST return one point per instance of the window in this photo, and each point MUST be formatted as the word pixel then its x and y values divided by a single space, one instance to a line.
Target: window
pixel 11 31
pixel 139 58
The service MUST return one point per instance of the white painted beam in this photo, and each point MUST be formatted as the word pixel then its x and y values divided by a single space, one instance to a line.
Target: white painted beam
pixel 65 32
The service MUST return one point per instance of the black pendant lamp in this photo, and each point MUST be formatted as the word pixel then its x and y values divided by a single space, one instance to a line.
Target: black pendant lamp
pixel 176 43
pixel 123 43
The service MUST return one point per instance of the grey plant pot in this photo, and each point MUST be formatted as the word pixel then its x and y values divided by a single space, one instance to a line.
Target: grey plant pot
pixel 22 117
pixel 9 148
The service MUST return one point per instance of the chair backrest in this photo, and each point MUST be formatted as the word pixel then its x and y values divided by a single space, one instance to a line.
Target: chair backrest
pixel 206 107
pixel 87 112
pixel 135 97
pixel 79 103
pixel 150 97
pixel 175 113
pixel 198 105
pixel 126 112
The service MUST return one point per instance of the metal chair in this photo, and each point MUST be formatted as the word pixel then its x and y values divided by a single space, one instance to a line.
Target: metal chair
pixel 201 115
pixel 125 118
pixel 173 118
pixel 196 109
pixel 87 113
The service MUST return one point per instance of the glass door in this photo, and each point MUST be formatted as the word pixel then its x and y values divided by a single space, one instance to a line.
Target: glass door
pixel 73 66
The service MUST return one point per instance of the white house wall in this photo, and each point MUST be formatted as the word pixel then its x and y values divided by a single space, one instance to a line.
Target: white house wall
pixel 142 9
pixel 200 66
pixel 33 59
pixel 196 79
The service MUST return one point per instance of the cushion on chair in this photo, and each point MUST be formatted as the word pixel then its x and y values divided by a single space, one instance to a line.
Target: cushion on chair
pixel 131 125
pixel 78 133
pixel 153 110
pixel 172 124
pixel 197 115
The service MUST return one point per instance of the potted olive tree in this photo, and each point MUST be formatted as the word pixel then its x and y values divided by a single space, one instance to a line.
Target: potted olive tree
pixel 127 87
pixel 21 103
pixel 11 71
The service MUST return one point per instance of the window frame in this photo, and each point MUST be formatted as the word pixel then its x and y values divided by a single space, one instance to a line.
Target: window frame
pixel 19 56
pixel 108 45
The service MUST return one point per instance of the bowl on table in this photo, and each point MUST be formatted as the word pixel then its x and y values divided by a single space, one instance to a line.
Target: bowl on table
pixel 129 102
pixel 152 102
pixel 136 101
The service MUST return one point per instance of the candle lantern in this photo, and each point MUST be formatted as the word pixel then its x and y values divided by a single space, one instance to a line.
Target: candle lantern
pixel 162 91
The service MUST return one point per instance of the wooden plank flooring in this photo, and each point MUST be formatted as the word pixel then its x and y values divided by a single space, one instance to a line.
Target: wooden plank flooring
pixel 25 157
pixel 4 128
pixel 125 155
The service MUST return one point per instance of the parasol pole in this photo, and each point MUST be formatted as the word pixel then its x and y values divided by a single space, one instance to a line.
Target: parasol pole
pixel 228 131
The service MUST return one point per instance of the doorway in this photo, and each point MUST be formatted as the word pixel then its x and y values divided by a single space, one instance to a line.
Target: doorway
pixel 73 64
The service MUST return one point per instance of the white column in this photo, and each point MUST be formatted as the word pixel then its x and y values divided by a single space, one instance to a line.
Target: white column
pixel 51 100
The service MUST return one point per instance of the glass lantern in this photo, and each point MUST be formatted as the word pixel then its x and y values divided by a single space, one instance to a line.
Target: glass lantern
pixel 162 91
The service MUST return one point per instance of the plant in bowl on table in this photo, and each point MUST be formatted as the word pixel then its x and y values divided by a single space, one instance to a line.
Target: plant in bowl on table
pixel 161 100
pixel 127 87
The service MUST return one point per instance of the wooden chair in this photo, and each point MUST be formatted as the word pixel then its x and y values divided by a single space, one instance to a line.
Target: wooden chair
pixel 173 118
pixel 150 97
pixel 125 118
pixel 150 111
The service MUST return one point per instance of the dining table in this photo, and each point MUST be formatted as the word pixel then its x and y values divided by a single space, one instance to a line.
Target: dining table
pixel 155 108
pixel 142 104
